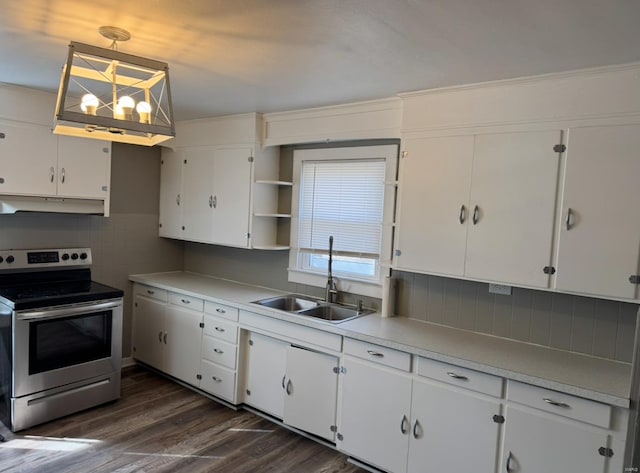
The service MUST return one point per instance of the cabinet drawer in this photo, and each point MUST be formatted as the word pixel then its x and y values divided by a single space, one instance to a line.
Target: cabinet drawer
pixel 218 381
pixel 188 302
pixel 566 405
pixel 220 328
pixel 379 354
pixel 221 310
pixel 217 351
pixel 151 292
pixel 457 376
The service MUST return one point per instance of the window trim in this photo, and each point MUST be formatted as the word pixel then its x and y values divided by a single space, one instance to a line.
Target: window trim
pixel 356 286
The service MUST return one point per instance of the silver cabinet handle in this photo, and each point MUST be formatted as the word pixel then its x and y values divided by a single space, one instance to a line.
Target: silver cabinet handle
pixel 160 336
pixel 451 374
pixel 185 301
pixel 569 221
pixel 165 338
pixel 178 200
pixel 283 378
pixel 463 214
pixel 476 215
pixel 215 201
pixel 211 201
pixel 509 470
pixel 218 351
pixel 403 425
pixel 216 379
pixel 416 432
pixel 219 329
pixel 221 311
pixel 63 175
pixel 149 291
pixel 52 174
pixel 375 353
pixel 289 388
pixel 564 405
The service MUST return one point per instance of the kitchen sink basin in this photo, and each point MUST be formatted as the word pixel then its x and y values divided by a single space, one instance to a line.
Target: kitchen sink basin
pixel 288 303
pixel 309 307
pixel 334 313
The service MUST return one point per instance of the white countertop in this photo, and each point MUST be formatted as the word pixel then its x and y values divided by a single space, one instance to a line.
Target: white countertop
pixel 581 375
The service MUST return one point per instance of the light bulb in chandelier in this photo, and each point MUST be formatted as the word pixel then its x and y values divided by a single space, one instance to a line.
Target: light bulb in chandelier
pixel 89 104
pixel 125 106
pixel 144 111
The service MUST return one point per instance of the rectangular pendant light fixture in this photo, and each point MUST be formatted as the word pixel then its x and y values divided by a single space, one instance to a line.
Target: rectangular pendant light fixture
pixel 108 95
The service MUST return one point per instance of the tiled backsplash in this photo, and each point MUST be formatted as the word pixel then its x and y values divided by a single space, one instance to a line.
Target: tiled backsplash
pixel 580 324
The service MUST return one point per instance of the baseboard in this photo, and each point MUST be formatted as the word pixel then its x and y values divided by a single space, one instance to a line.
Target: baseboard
pixel 128 361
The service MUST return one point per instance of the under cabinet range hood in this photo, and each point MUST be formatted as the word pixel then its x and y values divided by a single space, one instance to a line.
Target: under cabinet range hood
pixel 11 204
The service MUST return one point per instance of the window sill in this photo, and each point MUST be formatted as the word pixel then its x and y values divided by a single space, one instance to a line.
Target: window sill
pixel 351 286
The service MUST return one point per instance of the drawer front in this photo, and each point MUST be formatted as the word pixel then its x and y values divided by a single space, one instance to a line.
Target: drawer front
pixel 221 310
pixel 378 354
pixel 463 377
pixel 151 292
pixel 566 405
pixel 220 328
pixel 218 381
pixel 188 302
pixel 217 351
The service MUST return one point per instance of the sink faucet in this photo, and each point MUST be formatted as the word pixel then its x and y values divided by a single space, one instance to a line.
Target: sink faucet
pixel 331 290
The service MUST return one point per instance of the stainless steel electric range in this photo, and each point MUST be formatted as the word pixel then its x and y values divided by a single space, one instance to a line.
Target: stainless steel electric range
pixel 60 336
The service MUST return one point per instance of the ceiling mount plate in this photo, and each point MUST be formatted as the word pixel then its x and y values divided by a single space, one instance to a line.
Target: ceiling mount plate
pixel 114 33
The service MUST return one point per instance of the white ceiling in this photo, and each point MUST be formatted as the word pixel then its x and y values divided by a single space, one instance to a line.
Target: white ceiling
pixel 235 56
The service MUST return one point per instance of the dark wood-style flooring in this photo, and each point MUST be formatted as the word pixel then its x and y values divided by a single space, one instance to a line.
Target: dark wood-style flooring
pixel 159 426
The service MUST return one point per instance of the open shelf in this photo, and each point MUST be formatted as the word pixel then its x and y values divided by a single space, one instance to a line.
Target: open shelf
pixel 271 247
pixel 276 215
pixel 275 183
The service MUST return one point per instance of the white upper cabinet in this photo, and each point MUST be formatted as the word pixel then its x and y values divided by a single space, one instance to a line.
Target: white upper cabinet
pixel 84 167
pixel 434 204
pixel 599 229
pixel 35 162
pixel 221 188
pixel 479 206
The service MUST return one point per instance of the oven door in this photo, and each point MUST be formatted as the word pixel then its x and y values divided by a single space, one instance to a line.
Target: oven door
pixel 56 346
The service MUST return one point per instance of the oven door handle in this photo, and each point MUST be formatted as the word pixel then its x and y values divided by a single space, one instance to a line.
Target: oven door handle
pixel 66 311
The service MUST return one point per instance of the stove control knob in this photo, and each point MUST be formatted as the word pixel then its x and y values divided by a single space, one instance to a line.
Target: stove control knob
pixel 74 256
pixel 1 259
pixel 10 259
pixel 83 256
pixel 65 256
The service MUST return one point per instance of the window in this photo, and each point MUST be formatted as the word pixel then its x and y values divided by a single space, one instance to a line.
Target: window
pixel 342 192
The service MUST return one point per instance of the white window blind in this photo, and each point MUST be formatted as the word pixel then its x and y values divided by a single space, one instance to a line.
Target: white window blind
pixel 344 199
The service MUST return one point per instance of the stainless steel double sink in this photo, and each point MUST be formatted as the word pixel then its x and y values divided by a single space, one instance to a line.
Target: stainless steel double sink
pixel 310 307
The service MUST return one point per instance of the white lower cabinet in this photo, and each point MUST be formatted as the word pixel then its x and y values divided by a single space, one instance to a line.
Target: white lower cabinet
pixel 374 420
pixel 265 376
pixel 167 337
pixel 452 430
pixel 538 443
pixel 547 431
pixel 293 383
pixel 311 388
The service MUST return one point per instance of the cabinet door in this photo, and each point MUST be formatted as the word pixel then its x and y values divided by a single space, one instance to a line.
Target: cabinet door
pixel 599 247
pixel 84 167
pixel 374 414
pixel 537 443
pixel 513 188
pixel 452 430
pixel 311 389
pixel 28 158
pixel 267 359
pixel 197 202
pixel 148 331
pixel 232 196
pixel 434 204
pixel 171 193
pixel 183 342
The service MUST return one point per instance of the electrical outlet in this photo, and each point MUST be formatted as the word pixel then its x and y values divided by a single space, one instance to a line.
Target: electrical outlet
pixel 501 289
